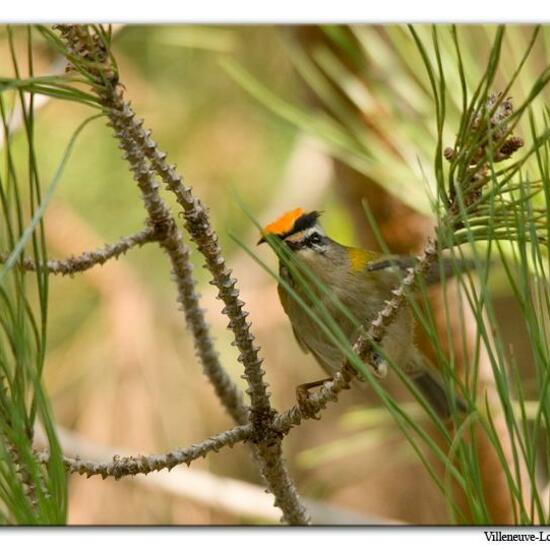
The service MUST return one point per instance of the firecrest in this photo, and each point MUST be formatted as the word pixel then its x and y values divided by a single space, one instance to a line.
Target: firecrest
pixel 352 285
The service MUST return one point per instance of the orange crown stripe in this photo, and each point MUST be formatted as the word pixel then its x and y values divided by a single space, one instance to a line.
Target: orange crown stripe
pixel 285 223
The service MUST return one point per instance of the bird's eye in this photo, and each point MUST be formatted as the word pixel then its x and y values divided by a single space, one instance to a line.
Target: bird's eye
pixel 316 239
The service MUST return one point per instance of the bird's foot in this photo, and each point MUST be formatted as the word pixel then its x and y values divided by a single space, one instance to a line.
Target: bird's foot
pixel 303 397
pixel 378 364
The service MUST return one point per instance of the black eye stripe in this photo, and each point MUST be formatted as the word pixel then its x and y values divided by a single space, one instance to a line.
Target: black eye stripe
pixel 314 239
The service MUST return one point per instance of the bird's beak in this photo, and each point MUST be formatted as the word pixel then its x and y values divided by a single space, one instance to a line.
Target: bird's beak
pixel 262 240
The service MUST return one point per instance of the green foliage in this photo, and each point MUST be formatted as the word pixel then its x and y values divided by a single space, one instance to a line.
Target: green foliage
pixel 30 493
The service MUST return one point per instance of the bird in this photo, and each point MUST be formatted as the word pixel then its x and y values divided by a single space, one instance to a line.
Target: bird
pixel 351 286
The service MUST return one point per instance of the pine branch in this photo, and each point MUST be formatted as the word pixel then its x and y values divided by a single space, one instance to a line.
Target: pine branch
pixel 89 259
pixel 197 223
pixel 122 466
pixel 203 235
pixel 90 56
pixel 317 401
pixel 22 472
pixel 85 50
pixel 232 496
pixel 267 441
pixel 173 244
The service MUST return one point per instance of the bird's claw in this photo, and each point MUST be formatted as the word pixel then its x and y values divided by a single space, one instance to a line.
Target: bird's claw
pixel 303 398
pixel 379 365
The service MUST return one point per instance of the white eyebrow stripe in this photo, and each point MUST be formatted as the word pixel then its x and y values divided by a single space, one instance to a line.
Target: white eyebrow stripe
pixel 311 230
pixel 305 234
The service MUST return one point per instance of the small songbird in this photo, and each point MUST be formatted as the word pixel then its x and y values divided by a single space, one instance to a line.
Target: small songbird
pixel 360 281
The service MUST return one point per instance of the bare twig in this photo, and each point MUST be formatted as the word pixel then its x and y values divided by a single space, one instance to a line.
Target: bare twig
pixel 87 50
pixel 87 260
pixel 386 316
pixel 232 496
pixel 197 223
pixel 22 472
pixel 178 253
pixel 121 466
pixel 79 43
pixel 317 401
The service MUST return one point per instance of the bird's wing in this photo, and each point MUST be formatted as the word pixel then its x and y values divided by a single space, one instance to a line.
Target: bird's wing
pixel 301 343
pixel 388 262
pixel 449 266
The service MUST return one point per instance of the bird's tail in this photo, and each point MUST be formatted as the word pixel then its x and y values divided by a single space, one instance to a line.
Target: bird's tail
pixel 429 382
